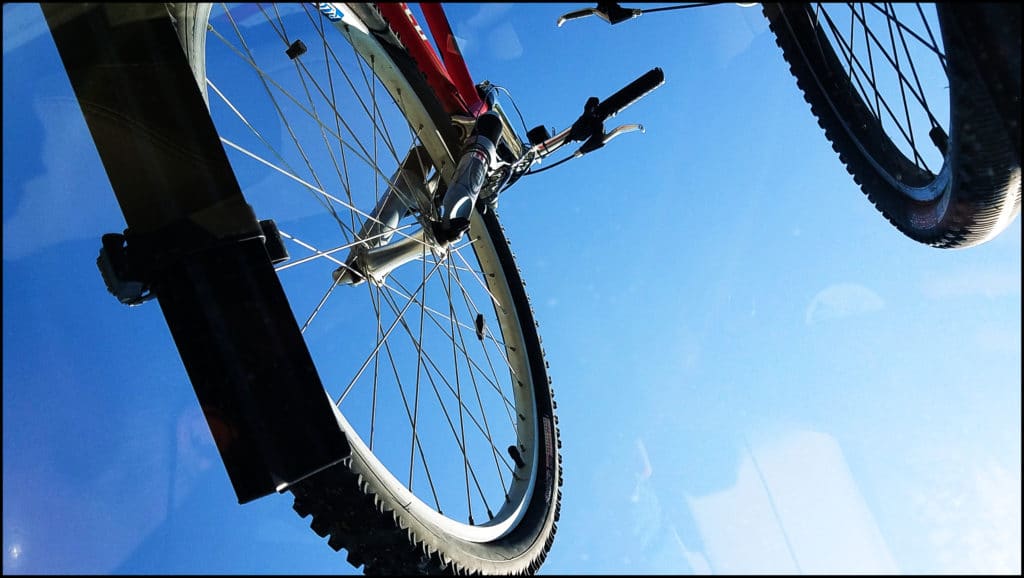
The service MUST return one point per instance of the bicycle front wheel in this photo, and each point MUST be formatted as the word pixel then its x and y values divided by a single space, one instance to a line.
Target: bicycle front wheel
pixel 436 370
pixel 922 105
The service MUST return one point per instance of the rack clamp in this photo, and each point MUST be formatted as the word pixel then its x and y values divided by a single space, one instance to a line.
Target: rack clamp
pixel 127 261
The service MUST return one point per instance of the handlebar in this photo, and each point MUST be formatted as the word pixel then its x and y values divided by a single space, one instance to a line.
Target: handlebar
pixel 589 127
pixel 630 93
pixel 613 13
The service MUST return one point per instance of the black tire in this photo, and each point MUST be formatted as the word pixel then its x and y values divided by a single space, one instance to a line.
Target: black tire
pixel 976 193
pixel 360 506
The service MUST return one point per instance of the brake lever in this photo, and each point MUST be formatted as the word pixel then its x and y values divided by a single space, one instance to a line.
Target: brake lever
pixel 610 12
pixel 623 129
pixel 576 15
pixel 599 140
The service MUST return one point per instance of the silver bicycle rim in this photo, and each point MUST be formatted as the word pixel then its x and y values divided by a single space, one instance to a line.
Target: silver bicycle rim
pixel 894 57
pixel 425 391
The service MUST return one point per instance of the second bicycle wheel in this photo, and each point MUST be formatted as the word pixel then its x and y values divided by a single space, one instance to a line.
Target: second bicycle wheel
pixel 436 370
pixel 922 105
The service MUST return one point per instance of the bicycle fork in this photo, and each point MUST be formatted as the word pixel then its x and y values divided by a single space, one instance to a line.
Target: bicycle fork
pixel 373 256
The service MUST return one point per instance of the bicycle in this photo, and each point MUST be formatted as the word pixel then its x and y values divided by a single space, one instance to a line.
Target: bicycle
pixel 951 181
pixel 217 272
pixel 194 244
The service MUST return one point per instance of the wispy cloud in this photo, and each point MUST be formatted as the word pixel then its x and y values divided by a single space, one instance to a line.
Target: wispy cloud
pixel 977 281
pixel 840 301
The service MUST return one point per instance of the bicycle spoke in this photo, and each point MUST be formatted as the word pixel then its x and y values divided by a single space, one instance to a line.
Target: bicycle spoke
pixel 363 154
pixel 431 368
pixel 277 106
pixel 318 254
pixel 465 327
pixel 472 309
pixel 266 78
pixel 362 368
pixel 300 68
pixel 903 91
pixel 480 281
pixel 930 44
pixel 319 306
pixel 458 388
pixel 872 39
pixel 913 70
pixel 464 411
pixel 418 391
pixel 375 298
pixel 403 292
pixel 309 186
pixel 880 101
pixel 343 170
pixel 476 390
pixel 871 63
pixel 419 368
pixel 328 51
pixel 853 37
pixel 399 319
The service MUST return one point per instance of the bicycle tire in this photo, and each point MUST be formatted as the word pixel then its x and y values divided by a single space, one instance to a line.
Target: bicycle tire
pixel 977 192
pixel 360 505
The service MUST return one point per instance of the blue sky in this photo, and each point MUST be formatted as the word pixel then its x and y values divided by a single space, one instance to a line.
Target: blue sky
pixel 754 371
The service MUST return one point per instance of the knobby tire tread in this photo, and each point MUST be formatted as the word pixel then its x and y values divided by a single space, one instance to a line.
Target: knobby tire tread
pixel 343 502
pixel 346 510
pixel 984 145
pixel 343 506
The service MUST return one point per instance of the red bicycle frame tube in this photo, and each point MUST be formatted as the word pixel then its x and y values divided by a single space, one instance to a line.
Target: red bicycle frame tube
pixel 449 78
pixel 451 56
